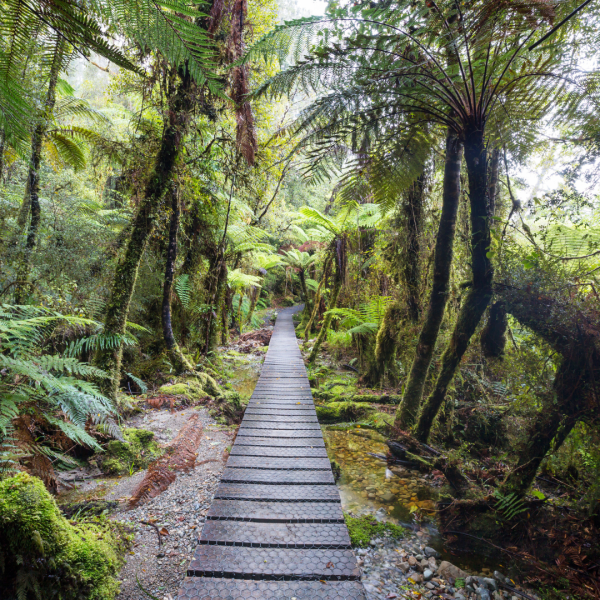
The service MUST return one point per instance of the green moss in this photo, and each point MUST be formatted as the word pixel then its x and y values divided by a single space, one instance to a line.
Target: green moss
pixel 137 451
pixel 43 555
pixel 191 388
pixel 341 412
pixel 363 529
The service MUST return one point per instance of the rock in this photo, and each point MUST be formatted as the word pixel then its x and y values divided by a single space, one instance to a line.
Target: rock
pixel 417 577
pixel 459 596
pixel 430 586
pixel 432 564
pixel 499 577
pixel 412 561
pixel 427 575
pixel 447 570
pixel 419 557
pixel 483 593
pixel 490 584
pixel 404 567
pixel 388 497
pixel 430 552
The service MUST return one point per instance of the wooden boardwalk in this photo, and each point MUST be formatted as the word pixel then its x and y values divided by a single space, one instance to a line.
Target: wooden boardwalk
pixel 275 529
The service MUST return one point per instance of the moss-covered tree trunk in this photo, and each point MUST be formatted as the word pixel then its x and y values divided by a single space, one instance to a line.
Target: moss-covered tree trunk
pixel 307 305
pixel 178 360
pixel 479 294
pixel 493 335
pixel 337 286
pixel 317 298
pixel 31 201
pixel 180 104
pixel 572 332
pixel 442 262
pixel 411 271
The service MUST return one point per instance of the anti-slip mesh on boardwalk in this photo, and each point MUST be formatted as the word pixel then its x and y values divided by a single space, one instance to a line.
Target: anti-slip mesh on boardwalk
pixel 275 529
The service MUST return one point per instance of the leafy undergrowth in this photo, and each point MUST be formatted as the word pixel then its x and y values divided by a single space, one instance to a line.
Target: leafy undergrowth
pixel 363 529
pixel 44 555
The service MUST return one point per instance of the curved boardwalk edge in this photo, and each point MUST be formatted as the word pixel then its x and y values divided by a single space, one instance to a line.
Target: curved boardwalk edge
pixel 275 529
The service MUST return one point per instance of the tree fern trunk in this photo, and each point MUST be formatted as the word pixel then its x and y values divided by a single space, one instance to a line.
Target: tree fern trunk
pixel 413 214
pixel 179 361
pixel 480 293
pixel 385 347
pixel 31 201
pixel 337 286
pixel 411 400
pixel 180 105
pixel 317 299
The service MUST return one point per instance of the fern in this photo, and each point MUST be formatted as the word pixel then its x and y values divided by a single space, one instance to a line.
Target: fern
pixel 58 390
pixel 183 289
pixel 509 506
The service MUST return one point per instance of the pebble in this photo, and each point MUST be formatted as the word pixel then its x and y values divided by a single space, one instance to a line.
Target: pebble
pixel 390 568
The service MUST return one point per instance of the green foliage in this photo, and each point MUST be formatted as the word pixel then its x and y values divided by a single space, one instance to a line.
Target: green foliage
pixel 43 556
pixel 55 388
pixel 137 450
pixel 509 506
pixel 363 529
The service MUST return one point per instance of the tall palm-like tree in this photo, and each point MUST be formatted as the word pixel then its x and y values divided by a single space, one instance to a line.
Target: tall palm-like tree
pixel 390 73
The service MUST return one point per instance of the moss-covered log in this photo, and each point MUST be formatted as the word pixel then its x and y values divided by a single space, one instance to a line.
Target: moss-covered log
pixel 180 104
pixel 480 294
pixel 438 298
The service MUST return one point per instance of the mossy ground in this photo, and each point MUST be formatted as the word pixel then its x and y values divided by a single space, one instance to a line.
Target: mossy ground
pixel 137 451
pixel 363 529
pixel 342 412
pixel 43 555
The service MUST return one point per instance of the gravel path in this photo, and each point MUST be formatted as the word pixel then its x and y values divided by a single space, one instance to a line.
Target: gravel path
pixel 180 509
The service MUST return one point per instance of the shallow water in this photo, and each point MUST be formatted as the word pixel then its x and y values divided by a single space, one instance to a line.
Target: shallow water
pixel 402 496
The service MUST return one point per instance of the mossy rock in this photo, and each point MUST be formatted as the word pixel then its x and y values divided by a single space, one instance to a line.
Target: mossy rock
pixel 137 451
pixel 227 408
pixel 193 387
pixel 45 556
pixel 363 529
pixel 342 412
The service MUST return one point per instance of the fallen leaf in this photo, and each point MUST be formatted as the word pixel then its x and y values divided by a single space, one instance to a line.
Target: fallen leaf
pixel 323 581
pixel 329 565
pixel 164 531
pixel 392 595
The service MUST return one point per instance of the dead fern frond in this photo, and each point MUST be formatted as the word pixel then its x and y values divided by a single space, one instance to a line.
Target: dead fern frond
pixel 180 455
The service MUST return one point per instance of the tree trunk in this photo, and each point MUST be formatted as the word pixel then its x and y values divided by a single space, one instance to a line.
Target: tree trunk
pixel 254 296
pixel 180 106
pixel 317 299
pixel 493 180
pixel 31 201
pixel 493 335
pixel 307 308
pixel 413 216
pixel 337 286
pixel 179 361
pixel 480 293
pixel 407 411
pixel 385 347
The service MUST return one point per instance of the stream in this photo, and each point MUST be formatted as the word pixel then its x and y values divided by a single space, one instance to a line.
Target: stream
pixel 401 496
